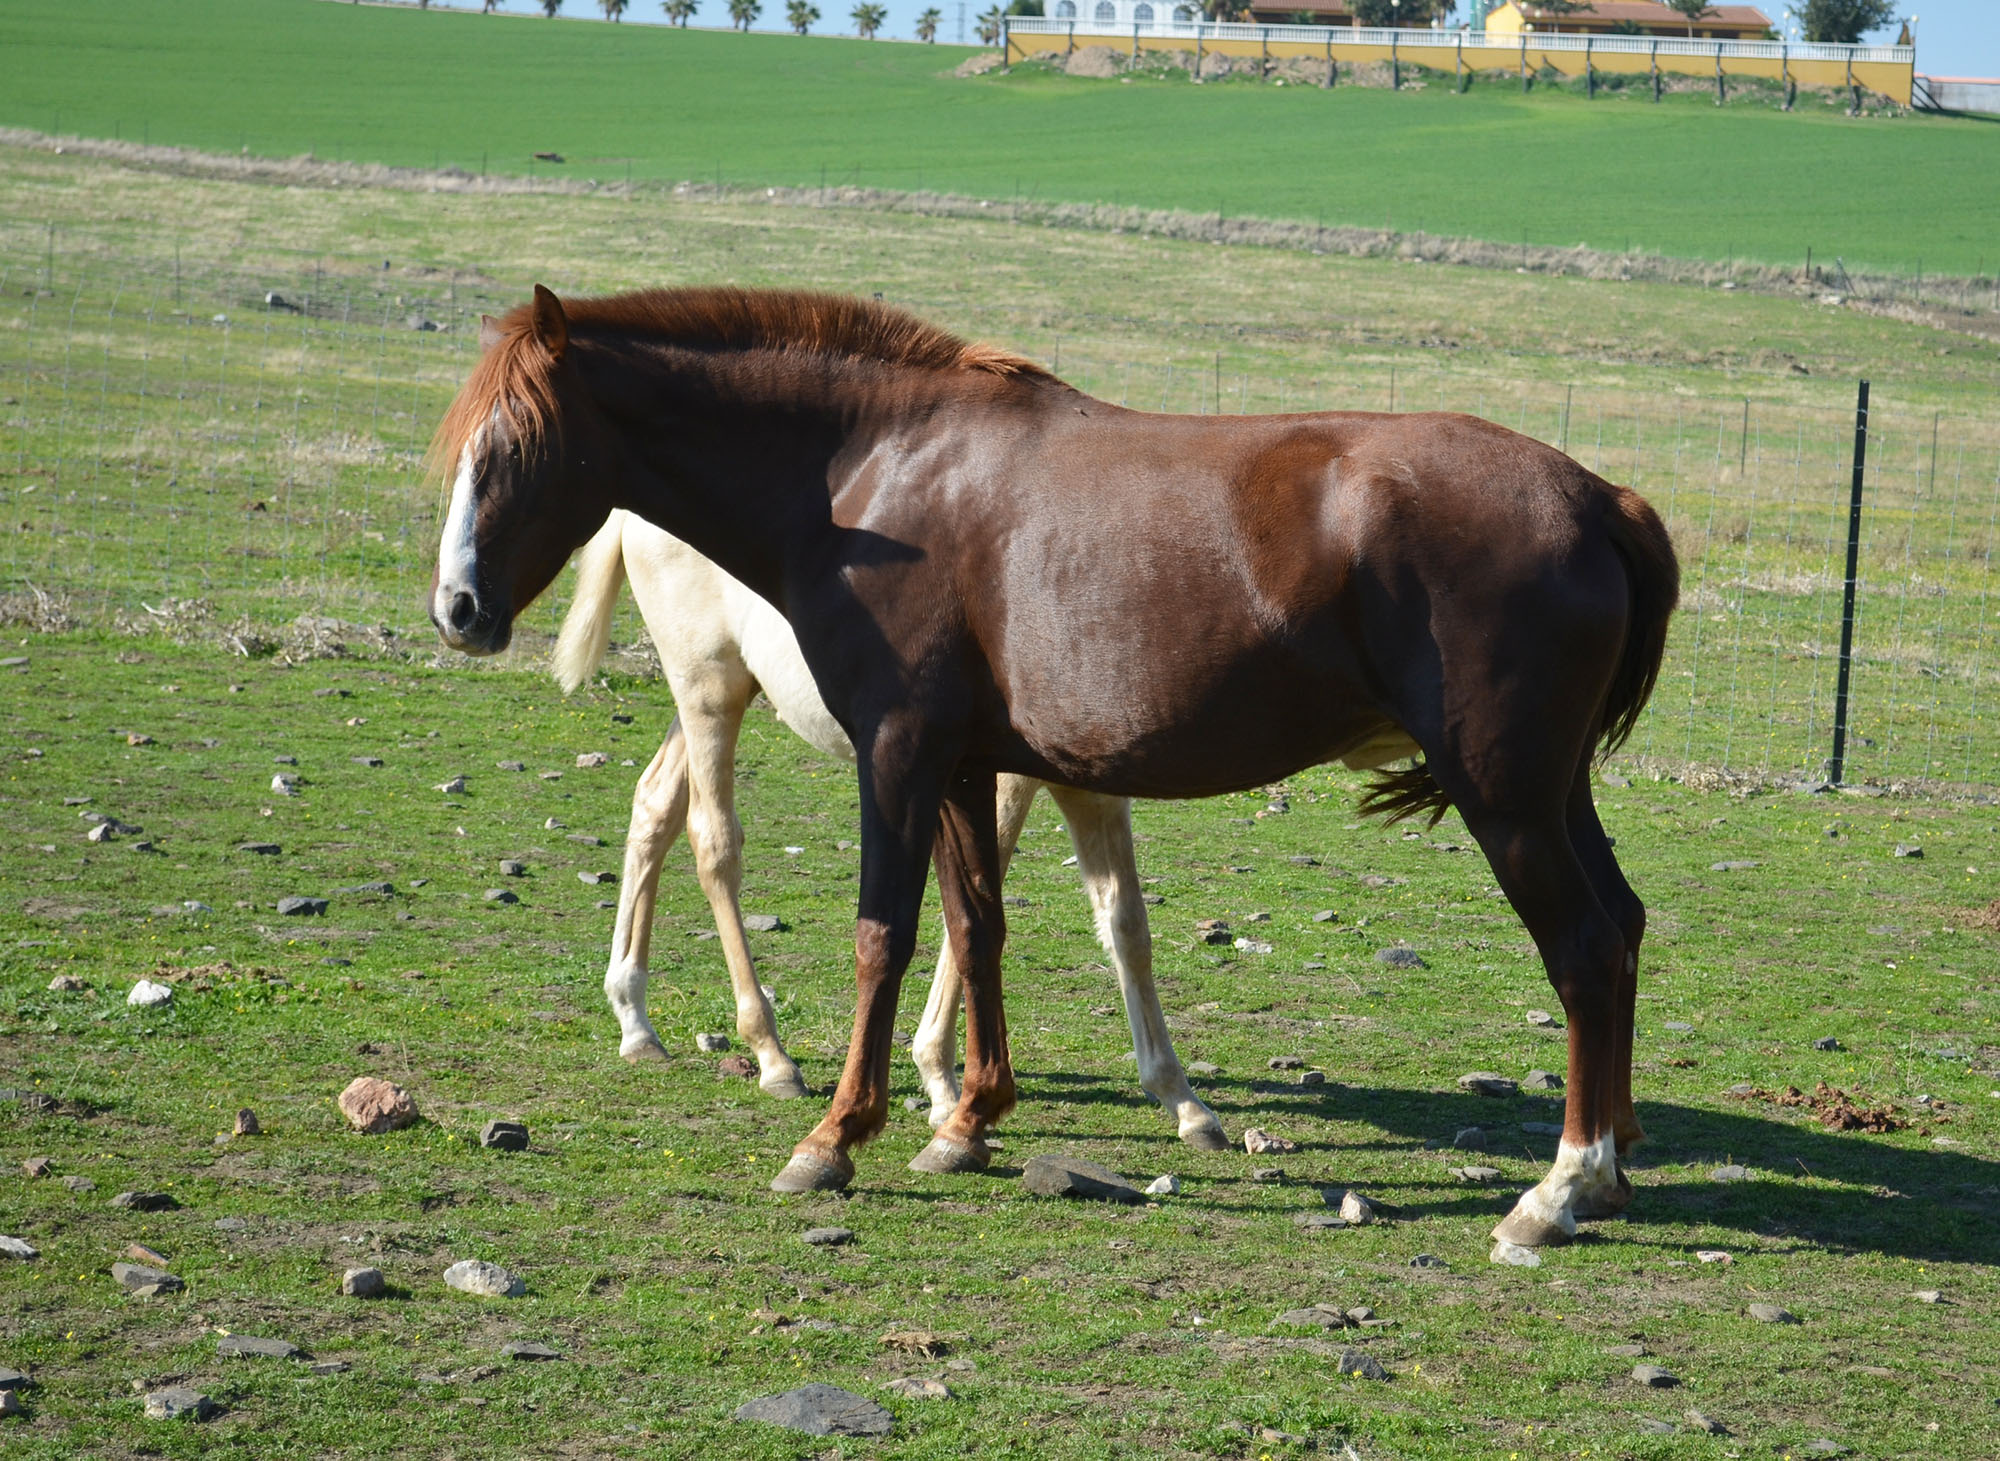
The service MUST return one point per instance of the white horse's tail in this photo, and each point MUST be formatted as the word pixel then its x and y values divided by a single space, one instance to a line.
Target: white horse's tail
pixel 586 629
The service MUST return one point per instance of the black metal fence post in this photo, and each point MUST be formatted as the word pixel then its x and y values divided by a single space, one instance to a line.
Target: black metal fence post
pixel 1839 762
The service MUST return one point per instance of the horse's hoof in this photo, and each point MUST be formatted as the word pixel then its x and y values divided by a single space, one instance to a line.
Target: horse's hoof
pixel 945 1156
pixel 1206 1139
pixel 1596 1206
pixel 806 1172
pixel 783 1086
pixel 1525 1230
pixel 649 1053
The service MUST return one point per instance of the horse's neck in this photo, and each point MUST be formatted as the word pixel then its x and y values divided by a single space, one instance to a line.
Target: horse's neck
pixel 734 453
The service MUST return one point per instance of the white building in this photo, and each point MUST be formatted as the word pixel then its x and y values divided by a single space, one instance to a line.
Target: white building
pixel 1125 13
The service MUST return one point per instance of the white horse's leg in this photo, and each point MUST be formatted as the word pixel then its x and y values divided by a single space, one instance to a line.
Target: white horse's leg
pixel 935 1047
pixel 711 724
pixel 1101 829
pixel 659 811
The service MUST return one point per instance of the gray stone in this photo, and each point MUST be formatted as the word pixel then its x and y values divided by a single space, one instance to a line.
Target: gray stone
pixel 1655 1377
pixel 1822 1446
pixel 178 1402
pixel 1541 1017
pixel 79 1184
pixel 1487 1083
pixel 525 1350
pixel 376 1107
pixel 1707 1424
pixel 19 1248
pixel 1542 1080
pixel 1514 1255
pixel 820 1410
pixel 252 1346
pixel 1252 946
pixel 134 1277
pixel 1541 1128
pixel 301 907
pixel 1273 1176
pixel 453 787
pixel 828 1237
pixel 1475 1174
pixel 148 995
pixel 13 1379
pixel 764 923
pixel 1354 1362
pixel 1428 1260
pixel 918 1387
pixel 590 760
pixel 1259 1142
pixel 1730 1173
pixel 329 1367
pixel 595 879
pixel 1203 1068
pixel 1731 867
pixel 1470 1139
pixel 1627 1351
pixel 1058 1176
pixel 1679 1027
pixel 489 1280
pixel 1929 1296
pixel 506 1136
pixel 1312 1077
pixel 1772 1314
pixel 1286 1062
pixel 509 868
pixel 585 838
pixel 501 895
pixel 285 783
pixel 1827 1042
pixel 1358 1210
pixel 231 1225
pixel 1909 849
pixel 366 760
pixel 365 890
pixel 66 984
pixel 1326 915
pixel 1166 1186
pixel 38 1166
pixel 261 849
pixel 145 1201
pixel 246 1123
pixel 363 1283
pixel 711 1044
pixel 511 765
pixel 1653 1426
pixel 1314 1222
pixel 1400 958
pixel 1319 1316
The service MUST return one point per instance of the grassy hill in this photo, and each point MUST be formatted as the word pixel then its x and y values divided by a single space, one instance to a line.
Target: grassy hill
pixel 281 77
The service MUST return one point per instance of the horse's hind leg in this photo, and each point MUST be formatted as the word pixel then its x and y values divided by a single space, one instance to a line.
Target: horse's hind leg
pixel 935 1046
pixel 1101 829
pixel 1593 849
pixel 712 720
pixel 659 811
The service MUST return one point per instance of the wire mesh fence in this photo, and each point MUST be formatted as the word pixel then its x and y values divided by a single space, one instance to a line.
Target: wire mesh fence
pixel 249 432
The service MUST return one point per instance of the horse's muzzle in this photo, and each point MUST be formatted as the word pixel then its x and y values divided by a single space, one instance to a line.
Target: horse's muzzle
pixel 467 625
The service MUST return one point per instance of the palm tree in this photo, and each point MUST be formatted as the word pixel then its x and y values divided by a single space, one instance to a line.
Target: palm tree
pixel 927 25
pixel 868 19
pixel 800 14
pixel 989 26
pixel 614 10
pixel 742 12
pixel 678 11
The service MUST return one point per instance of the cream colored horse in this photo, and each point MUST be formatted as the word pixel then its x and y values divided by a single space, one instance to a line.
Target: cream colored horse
pixel 719 644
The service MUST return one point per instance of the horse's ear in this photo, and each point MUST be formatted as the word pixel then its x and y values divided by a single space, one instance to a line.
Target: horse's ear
pixel 490 333
pixel 551 327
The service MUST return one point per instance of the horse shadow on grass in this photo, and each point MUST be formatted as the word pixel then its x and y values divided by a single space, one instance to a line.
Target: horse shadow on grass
pixel 1806 1184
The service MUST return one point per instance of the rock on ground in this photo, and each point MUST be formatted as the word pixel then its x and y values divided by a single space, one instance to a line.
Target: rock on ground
pixel 136 1276
pixel 711 1044
pixel 145 1201
pixel 18 1248
pixel 374 1106
pixel 1165 1186
pixel 506 1136
pixel 919 1387
pixel 1515 1255
pixel 253 1346
pixel 1487 1083
pixel 1772 1314
pixel 490 1280
pixel 1542 1080
pixel 247 1123
pixel 820 1410
pixel 528 1351
pixel 1258 1142
pixel 363 1283
pixel 38 1166
pixel 1354 1362
pixel 178 1402
pixel 1356 1209
pixel 1054 1176
pixel 1655 1377
pixel 146 994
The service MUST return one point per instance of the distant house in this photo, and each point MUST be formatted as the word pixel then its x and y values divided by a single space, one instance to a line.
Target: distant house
pixel 1632 17
pixel 1125 12
pixel 1325 12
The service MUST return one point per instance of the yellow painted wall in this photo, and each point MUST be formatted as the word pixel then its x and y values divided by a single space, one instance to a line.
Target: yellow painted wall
pixel 1886 78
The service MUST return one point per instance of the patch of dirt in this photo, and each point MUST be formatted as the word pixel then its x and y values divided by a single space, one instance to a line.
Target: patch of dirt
pixel 1987 918
pixel 1834 1109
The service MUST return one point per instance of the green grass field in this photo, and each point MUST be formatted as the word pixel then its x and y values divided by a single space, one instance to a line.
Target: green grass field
pixel 640 1219
pixel 283 77
pixel 250 475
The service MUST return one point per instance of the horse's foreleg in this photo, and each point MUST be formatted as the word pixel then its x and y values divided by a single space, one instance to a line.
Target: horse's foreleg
pixel 1100 827
pixel 659 811
pixel 935 1048
pixel 969 872
pixel 712 728
pixel 901 788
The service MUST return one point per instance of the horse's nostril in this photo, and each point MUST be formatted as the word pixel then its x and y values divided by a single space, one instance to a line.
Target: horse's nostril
pixel 464 610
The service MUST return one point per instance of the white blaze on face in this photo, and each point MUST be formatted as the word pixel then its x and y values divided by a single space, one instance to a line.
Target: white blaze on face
pixel 457 561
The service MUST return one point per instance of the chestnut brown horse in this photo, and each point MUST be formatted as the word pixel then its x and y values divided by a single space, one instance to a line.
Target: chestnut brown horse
pixel 989 571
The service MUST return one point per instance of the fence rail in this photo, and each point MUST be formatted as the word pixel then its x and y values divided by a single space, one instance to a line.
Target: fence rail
pixel 250 433
pixel 1504 46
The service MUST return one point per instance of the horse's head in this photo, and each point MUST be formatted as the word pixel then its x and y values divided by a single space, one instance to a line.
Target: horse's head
pixel 518 444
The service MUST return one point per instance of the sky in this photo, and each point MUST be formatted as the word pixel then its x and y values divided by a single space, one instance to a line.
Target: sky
pixel 1954 37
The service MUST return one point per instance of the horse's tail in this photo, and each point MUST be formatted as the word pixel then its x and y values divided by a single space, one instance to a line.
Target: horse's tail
pixel 1653 579
pixel 586 629
pixel 1653 586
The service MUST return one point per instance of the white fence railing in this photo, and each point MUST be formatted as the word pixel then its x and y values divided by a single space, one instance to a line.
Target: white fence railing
pixel 1537 41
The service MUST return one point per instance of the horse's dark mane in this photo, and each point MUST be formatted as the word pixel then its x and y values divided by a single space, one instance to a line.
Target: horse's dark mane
pixel 513 376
